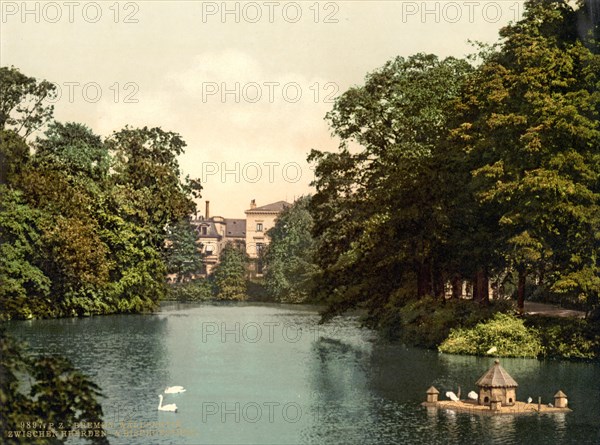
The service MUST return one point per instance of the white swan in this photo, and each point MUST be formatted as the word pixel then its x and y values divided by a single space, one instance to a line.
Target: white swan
pixel 473 395
pixel 452 396
pixel 171 407
pixel 174 389
pixel 529 400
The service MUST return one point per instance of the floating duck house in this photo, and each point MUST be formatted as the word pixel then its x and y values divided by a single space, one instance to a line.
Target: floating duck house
pixel 497 395
pixel 497 384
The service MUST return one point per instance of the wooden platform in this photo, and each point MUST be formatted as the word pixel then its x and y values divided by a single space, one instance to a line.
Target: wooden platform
pixel 471 406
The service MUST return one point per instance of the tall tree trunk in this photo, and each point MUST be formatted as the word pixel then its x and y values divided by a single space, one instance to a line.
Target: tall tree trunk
pixel 475 288
pixel 521 291
pixel 456 287
pixel 423 279
pixel 439 288
pixel 481 287
pixel 485 286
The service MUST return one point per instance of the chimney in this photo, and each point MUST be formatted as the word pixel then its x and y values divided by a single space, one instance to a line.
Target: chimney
pixel 253 204
pixel 206 212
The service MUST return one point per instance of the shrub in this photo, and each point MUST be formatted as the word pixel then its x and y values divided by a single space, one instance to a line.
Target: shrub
pixel 567 337
pixel 196 290
pixel 505 332
pixel 427 322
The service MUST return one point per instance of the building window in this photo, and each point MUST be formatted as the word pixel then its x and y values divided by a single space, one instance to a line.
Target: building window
pixel 204 230
pixel 210 249
pixel 259 227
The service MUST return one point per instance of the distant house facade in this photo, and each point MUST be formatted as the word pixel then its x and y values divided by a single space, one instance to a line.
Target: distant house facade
pixel 258 221
pixel 246 234
pixel 214 232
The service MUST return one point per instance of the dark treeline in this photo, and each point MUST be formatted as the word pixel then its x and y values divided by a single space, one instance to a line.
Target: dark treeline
pixel 82 219
pixel 485 170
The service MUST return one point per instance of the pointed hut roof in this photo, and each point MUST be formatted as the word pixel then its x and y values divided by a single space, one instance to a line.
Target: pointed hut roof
pixel 497 377
pixel 432 390
pixel 560 394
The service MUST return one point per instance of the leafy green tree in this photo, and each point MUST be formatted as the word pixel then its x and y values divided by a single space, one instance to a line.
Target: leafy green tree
pixel 182 255
pixel 230 274
pixel 147 174
pixel 530 131
pixel 14 155
pixel 290 269
pixel 147 195
pixel 83 219
pixel 45 394
pixel 75 150
pixel 22 105
pixel 66 186
pixel 380 210
pixel 24 286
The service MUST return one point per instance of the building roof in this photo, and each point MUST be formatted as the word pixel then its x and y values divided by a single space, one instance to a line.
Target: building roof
pixel 432 390
pixel 560 394
pixel 497 377
pixel 275 207
pixel 211 228
pixel 235 228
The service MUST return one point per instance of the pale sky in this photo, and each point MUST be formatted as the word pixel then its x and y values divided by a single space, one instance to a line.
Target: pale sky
pixel 246 84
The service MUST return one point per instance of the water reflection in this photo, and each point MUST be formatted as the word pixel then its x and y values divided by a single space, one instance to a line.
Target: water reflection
pixel 350 387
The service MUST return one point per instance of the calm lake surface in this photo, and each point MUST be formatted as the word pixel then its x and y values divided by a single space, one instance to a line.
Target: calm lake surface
pixel 258 373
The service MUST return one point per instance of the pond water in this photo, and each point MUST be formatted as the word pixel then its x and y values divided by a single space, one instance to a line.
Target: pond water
pixel 268 374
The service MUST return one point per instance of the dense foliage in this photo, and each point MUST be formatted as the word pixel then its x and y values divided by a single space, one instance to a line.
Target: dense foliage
pixel 82 220
pixel 452 173
pixel 199 289
pixel 380 212
pixel 47 395
pixel 230 274
pixel 504 334
pixel 427 322
pixel 182 255
pixel 288 258
pixel 572 338
pixel 528 127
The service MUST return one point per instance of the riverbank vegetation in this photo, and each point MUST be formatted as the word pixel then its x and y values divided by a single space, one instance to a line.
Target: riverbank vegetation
pixel 46 395
pixel 503 335
pixel 82 219
pixel 228 282
pixel 290 268
pixel 475 178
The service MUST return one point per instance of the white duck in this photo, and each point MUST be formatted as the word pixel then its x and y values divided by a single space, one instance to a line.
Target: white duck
pixel 452 396
pixel 473 395
pixel 171 407
pixel 174 389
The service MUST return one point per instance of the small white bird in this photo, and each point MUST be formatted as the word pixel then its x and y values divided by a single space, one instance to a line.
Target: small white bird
pixel 529 400
pixel 452 396
pixel 550 405
pixel 171 407
pixel 473 395
pixel 174 389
